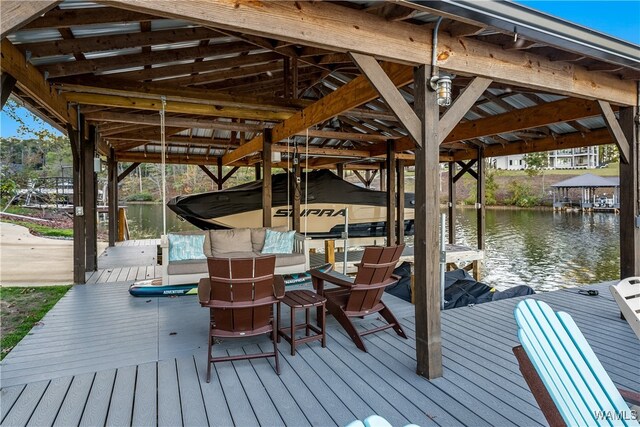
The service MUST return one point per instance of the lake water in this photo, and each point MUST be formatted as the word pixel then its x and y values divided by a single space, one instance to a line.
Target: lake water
pixel 542 249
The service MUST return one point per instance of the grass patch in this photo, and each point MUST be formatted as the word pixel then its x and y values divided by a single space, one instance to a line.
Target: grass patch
pixel 22 308
pixel 612 169
pixel 42 230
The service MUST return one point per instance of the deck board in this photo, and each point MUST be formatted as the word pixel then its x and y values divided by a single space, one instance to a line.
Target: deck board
pixel 169 412
pixel 51 401
pixel 26 404
pixel 73 404
pixel 145 399
pixel 102 357
pixel 121 404
pixel 95 411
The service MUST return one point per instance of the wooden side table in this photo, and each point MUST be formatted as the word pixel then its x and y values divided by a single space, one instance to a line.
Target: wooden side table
pixel 306 300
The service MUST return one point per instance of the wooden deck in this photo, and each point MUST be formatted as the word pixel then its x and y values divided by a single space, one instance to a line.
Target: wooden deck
pixel 130 260
pixel 101 357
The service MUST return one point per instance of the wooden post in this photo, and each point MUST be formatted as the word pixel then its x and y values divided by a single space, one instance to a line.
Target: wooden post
pixel 340 170
pixel 79 259
pixel 112 166
pixel 400 214
pixel 630 196
pixel 257 168
pixel 123 225
pixel 219 171
pixel 297 193
pixel 391 192
pixel 286 76
pixel 427 256
pixel 452 203
pixel 330 252
pixel 6 87
pixel 480 197
pixel 294 77
pixel 267 196
pixel 383 180
pixel 90 200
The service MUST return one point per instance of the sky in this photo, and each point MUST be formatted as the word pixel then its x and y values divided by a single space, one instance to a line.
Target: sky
pixel 620 19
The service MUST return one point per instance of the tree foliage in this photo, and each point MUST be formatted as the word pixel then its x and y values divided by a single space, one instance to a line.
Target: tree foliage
pixel 536 163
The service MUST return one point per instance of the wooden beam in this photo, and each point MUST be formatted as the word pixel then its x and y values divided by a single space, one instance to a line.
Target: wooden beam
pixel 553 142
pixel 127 88
pixel 111 63
pixel 427 256
pixel 209 173
pixel 401 42
pixel 118 41
pixel 616 131
pixel 32 83
pixel 154 120
pixel 401 201
pixel 345 136
pixel 391 194
pixel 112 184
pixel 388 91
pixel 480 200
pixel 90 203
pixel 172 106
pixel 451 223
pixel 461 105
pixel 219 172
pixel 630 197
pixel 267 189
pixel 525 118
pixel 73 18
pixel 8 83
pixel 229 174
pixel 79 259
pixel 15 15
pixel 353 94
pixel 133 166
pixel 466 168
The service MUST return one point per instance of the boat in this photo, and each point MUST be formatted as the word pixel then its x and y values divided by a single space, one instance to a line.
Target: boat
pixel 328 199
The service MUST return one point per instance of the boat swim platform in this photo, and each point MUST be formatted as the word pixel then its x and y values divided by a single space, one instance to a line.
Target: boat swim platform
pixel 102 357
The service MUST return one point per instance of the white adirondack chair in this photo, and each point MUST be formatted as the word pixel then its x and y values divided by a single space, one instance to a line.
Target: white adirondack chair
pixel 564 374
pixel 627 295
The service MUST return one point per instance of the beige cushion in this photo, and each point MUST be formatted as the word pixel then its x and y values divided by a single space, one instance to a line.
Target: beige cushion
pixel 258 236
pixel 237 255
pixel 192 266
pixel 286 260
pixel 234 240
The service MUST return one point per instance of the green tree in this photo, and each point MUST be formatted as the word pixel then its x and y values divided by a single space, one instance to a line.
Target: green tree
pixel 536 164
pixel 522 194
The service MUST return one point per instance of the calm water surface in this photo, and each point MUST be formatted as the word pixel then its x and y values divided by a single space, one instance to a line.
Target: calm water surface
pixel 542 249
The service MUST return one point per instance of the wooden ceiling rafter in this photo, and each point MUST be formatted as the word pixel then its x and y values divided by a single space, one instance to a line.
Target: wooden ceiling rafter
pixel 118 41
pixel 78 17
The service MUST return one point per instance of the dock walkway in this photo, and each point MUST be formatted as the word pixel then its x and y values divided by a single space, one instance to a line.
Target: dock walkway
pixel 102 357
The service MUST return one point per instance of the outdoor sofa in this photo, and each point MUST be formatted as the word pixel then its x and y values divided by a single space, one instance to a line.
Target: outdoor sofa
pixel 233 243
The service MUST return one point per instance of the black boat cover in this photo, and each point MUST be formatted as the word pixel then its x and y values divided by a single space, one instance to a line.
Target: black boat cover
pixel 460 289
pixel 324 187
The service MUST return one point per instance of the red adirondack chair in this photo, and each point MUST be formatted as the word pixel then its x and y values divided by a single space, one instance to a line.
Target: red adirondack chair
pixel 240 294
pixel 361 296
